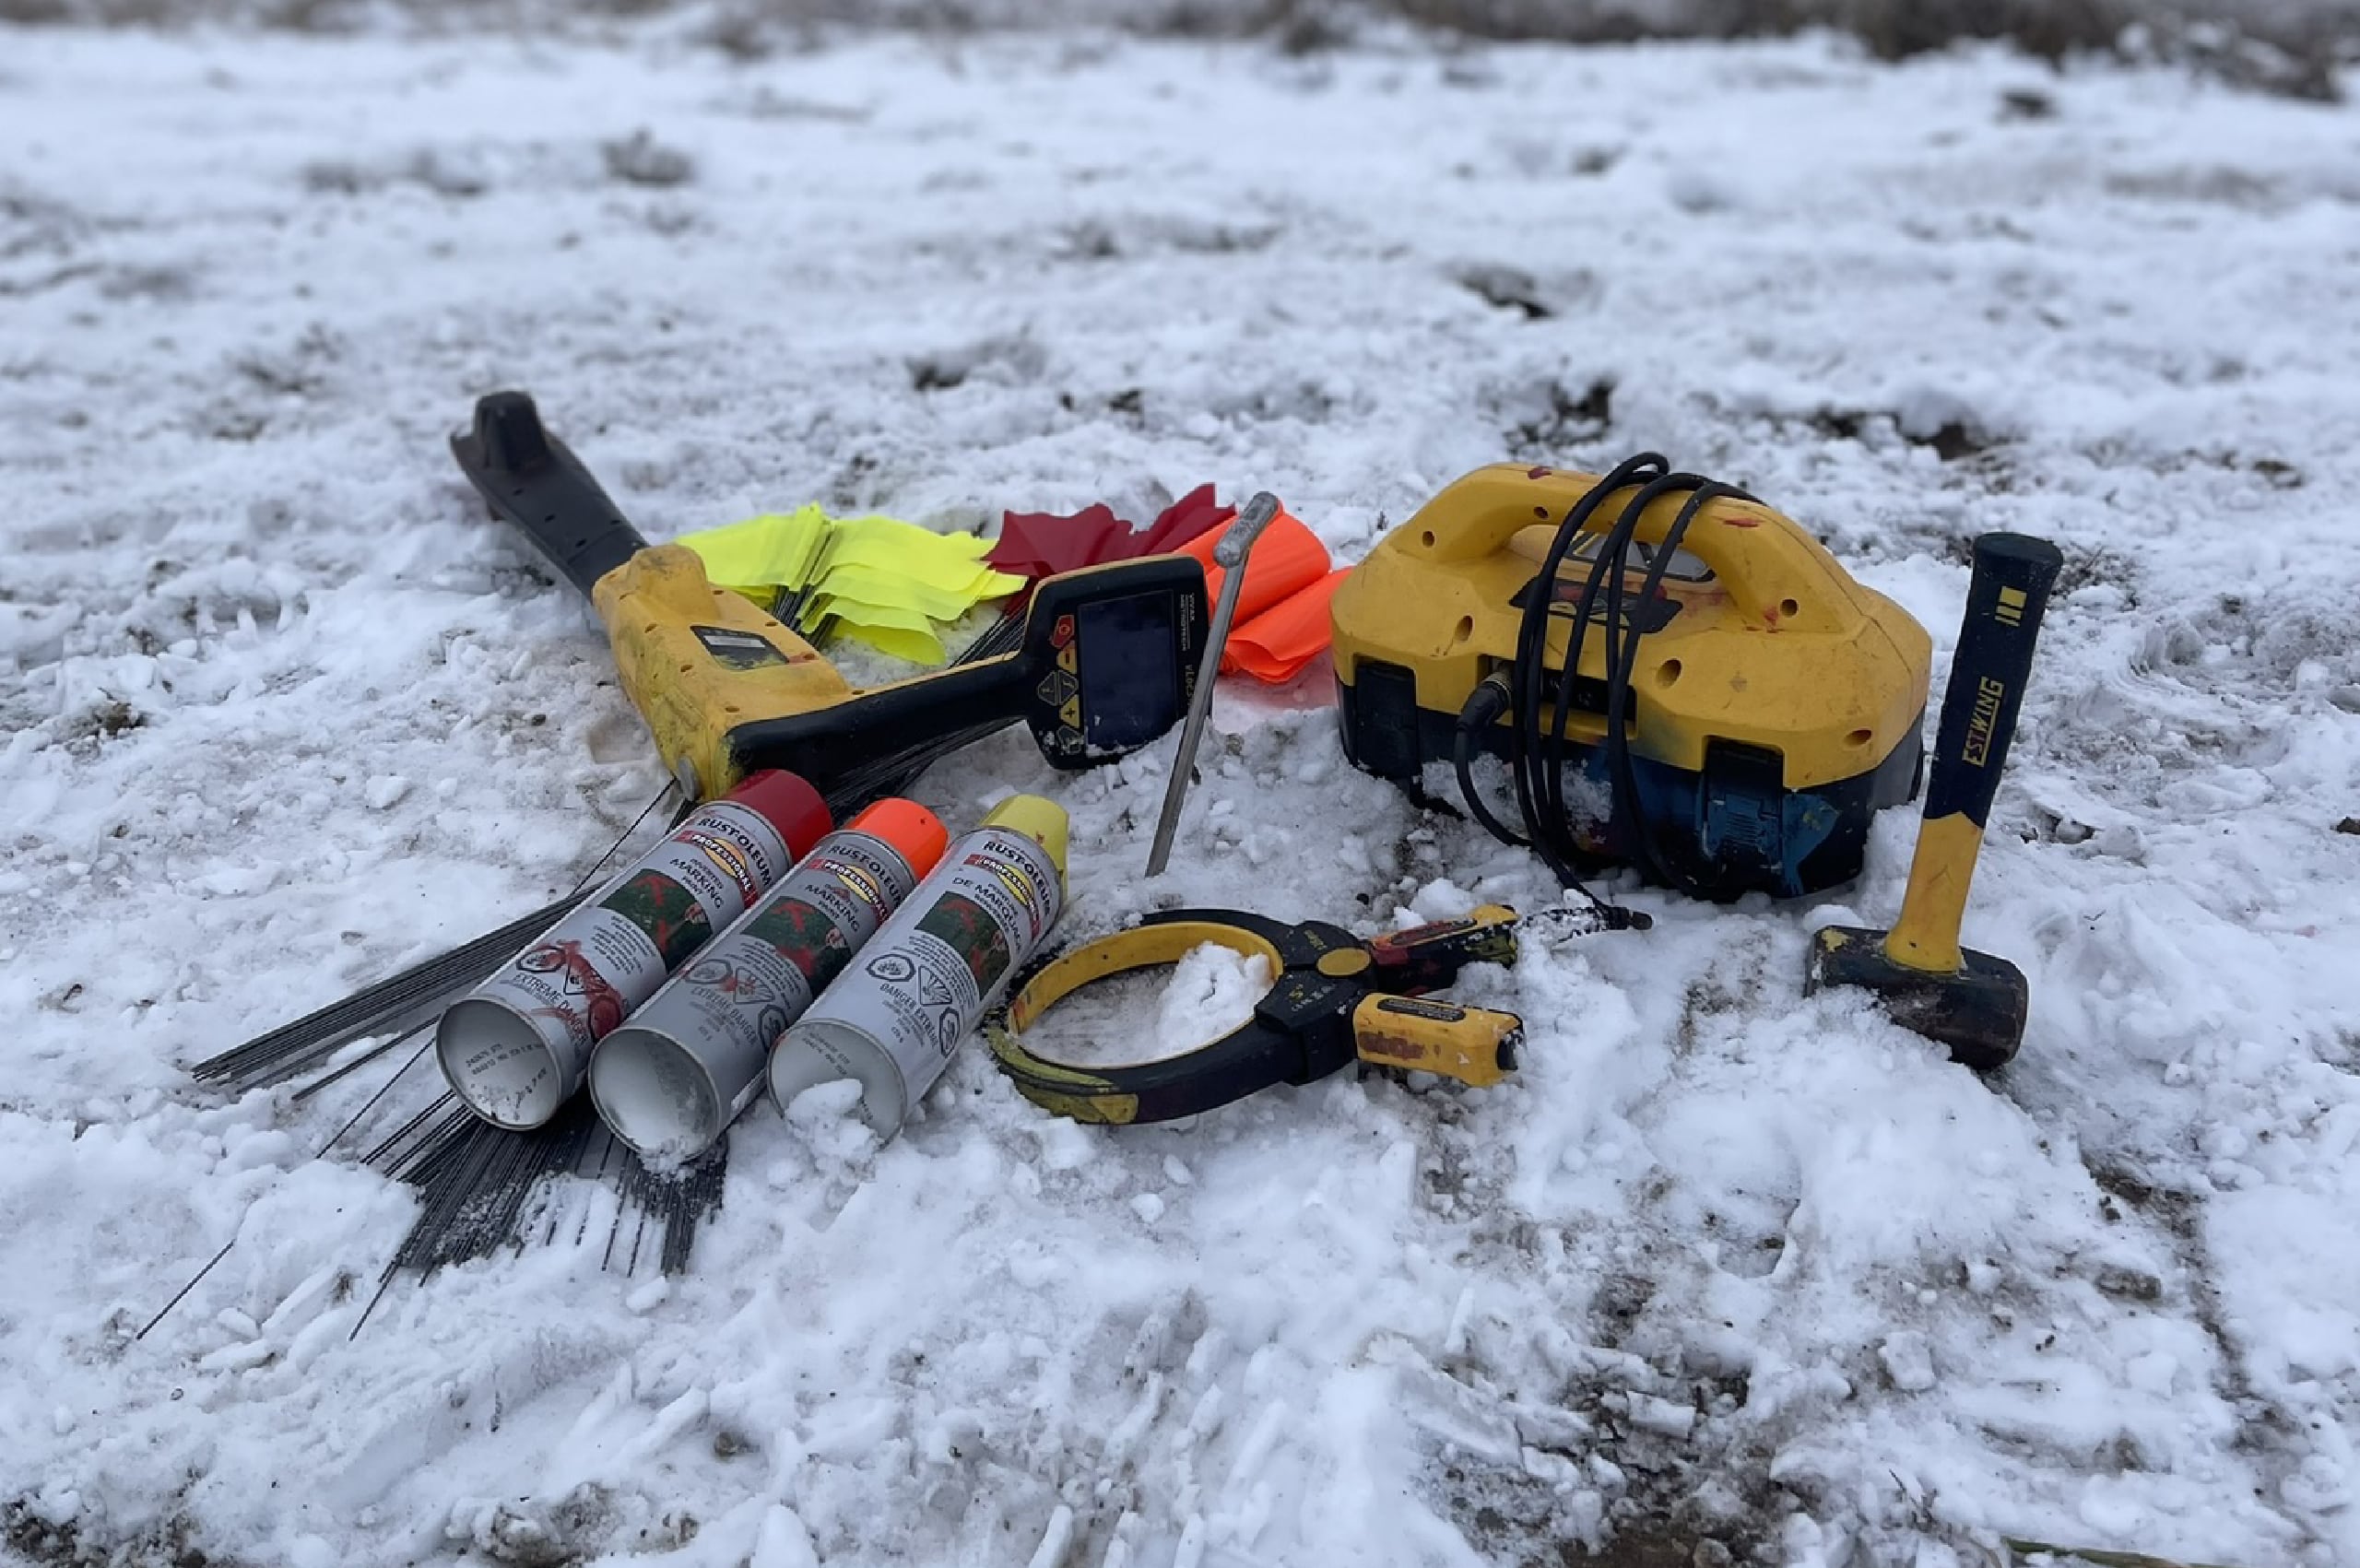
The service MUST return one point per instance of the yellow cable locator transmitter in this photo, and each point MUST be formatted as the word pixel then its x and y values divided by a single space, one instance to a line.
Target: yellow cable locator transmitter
pixel 1770 704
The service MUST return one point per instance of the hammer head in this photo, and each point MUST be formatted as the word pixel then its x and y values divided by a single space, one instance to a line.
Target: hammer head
pixel 1977 1011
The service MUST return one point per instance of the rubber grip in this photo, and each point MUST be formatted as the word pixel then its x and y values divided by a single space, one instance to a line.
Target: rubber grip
pixel 1427 958
pixel 529 478
pixel 2004 601
pixel 927 715
pixel 2013 573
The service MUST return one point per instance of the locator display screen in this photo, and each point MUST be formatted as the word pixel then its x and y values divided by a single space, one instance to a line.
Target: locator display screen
pixel 1130 693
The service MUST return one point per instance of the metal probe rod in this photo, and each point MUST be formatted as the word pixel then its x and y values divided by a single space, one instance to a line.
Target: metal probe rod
pixel 1230 556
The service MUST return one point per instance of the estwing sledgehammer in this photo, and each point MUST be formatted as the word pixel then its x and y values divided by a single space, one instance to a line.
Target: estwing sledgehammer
pixel 1973 1002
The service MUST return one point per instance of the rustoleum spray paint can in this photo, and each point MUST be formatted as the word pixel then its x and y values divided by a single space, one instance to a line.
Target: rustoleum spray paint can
pixel 678 1071
pixel 891 1021
pixel 516 1048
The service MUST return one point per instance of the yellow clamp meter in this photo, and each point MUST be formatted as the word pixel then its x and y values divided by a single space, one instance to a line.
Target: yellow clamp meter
pixel 1337 999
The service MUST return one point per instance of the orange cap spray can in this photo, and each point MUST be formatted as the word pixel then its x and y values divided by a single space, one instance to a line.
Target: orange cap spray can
pixel 672 1079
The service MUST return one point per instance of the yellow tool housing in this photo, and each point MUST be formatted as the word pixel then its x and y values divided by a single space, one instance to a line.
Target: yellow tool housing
pixel 698 661
pixel 1775 704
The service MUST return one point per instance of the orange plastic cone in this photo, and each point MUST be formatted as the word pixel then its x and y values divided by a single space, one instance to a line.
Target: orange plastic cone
pixel 1275 645
pixel 1287 558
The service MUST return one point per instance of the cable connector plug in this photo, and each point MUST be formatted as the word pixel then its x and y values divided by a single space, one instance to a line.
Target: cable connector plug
pixel 1551 927
pixel 1484 704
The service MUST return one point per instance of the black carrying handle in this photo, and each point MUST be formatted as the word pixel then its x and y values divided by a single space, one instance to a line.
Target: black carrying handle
pixel 529 478
pixel 2013 574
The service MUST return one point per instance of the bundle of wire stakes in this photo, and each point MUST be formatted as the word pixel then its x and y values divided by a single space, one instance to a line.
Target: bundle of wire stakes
pixel 477 1182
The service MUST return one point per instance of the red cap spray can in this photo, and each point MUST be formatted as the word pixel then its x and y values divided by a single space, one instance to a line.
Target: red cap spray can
pixel 516 1047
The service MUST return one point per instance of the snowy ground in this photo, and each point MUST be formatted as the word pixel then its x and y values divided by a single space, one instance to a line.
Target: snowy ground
pixel 1725 1272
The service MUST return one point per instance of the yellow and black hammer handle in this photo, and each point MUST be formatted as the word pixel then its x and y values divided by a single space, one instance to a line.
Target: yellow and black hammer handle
pixel 2004 602
pixel 1976 1004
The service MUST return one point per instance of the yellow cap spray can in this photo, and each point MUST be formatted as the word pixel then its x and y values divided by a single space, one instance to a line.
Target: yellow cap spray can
pixel 893 1020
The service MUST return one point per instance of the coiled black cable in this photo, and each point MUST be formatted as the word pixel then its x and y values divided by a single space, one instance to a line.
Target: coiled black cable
pixel 1536 751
